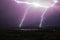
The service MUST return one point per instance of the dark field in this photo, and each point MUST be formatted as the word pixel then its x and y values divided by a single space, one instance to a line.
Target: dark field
pixel 31 34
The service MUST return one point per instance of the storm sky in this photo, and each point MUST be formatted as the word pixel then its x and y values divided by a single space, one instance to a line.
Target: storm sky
pixel 11 14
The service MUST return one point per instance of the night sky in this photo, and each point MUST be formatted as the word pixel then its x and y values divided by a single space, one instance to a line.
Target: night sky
pixel 11 14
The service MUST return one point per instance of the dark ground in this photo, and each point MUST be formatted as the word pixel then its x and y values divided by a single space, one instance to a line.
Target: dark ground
pixel 38 34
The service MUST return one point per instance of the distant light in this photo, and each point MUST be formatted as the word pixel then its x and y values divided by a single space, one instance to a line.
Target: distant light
pixel 55 1
pixel 36 4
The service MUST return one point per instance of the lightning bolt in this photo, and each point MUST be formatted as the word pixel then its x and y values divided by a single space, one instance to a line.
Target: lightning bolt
pixel 42 17
pixel 25 13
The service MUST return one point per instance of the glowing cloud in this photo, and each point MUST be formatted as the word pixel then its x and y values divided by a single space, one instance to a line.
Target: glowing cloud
pixel 55 1
pixel 35 4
